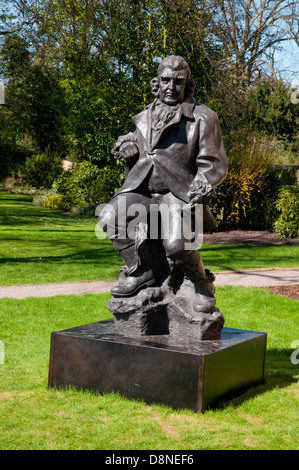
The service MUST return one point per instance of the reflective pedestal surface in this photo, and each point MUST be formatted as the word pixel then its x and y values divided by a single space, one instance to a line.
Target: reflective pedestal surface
pixel 165 369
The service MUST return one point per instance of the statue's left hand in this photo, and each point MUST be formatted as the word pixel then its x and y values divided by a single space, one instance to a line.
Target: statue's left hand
pixel 199 192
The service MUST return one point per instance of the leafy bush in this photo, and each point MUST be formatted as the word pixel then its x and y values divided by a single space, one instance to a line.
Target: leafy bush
pixel 41 170
pixel 89 183
pixel 287 224
pixel 84 209
pixel 110 179
pixel 61 202
pixel 11 186
pixel 246 197
pixel 41 197
pixel 76 183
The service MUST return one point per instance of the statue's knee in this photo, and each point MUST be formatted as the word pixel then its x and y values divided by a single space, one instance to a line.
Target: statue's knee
pixel 107 218
pixel 174 249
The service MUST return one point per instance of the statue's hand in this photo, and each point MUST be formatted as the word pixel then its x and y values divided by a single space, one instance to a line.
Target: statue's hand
pixel 199 192
pixel 128 150
pixel 125 148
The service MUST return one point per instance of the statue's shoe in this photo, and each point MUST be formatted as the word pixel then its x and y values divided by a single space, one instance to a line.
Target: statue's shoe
pixel 134 283
pixel 200 294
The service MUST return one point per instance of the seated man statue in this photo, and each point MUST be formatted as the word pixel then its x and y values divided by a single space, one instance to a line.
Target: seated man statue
pixel 174 158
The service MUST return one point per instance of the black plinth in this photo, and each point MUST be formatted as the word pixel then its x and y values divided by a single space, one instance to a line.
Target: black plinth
pixel 164 369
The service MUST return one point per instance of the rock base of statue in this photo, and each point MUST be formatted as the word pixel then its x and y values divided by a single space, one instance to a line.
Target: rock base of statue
pixel 162 311
pixel 171 370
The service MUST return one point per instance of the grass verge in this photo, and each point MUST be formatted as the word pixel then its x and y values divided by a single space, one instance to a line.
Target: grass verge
pixel 39 246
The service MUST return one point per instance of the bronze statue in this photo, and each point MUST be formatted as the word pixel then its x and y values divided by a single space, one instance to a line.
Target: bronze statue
pixel 166 342
pixel 175 158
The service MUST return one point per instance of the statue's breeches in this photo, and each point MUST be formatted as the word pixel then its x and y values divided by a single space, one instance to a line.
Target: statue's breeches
pixel 160 216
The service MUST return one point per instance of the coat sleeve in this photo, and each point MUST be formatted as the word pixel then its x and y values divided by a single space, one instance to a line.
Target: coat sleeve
pixel 211 160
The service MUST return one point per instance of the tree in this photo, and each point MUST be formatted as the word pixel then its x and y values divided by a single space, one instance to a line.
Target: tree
pixel 106 53
pixel 33 98
pixel 97 57
pixel 15 15
pixel 249 31
pixel 268 108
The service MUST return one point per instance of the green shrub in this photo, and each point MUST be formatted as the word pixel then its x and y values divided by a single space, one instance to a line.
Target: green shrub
pixel 89 183
pixel 84 209
pixel 76 183
pixel 40 197
pixel 61 202
pixel 12 186
pixel 41 170
pixel 246 197
pixel 287 224
pixel 110 179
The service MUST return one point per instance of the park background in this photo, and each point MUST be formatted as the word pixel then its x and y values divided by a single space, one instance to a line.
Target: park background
pixel 74 73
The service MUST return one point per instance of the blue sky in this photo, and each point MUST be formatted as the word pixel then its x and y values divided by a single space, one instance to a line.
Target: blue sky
pixel 287 61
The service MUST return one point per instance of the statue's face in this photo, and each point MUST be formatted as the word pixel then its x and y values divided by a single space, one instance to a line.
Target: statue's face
pixel 172 84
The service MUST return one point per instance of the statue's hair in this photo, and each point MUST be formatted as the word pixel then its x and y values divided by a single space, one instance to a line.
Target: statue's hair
pixel 176 63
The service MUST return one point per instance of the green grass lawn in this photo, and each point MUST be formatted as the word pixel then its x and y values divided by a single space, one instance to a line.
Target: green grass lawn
pixel 35 417
pixel 39 245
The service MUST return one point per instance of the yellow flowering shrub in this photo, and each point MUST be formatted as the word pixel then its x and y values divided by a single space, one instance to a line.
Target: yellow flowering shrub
pixel 247 195
pixel 61 202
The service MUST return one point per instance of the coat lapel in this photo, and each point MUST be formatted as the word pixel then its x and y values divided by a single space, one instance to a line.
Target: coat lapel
pixel 143 121
pixel 174 120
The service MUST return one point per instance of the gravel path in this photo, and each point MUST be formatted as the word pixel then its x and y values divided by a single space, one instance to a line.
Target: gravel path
pixel 279 278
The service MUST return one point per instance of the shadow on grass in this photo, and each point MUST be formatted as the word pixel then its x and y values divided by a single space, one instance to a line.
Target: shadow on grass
pixel 43 231
pixel 231 257
pixel 15 197
pixel 41 218
pixel 95 255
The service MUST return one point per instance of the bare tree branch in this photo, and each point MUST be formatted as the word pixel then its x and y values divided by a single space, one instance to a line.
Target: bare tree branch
pixel 249 30
pixel 22 12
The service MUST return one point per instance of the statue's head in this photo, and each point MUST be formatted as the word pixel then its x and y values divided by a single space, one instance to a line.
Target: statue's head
pixel 174 82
